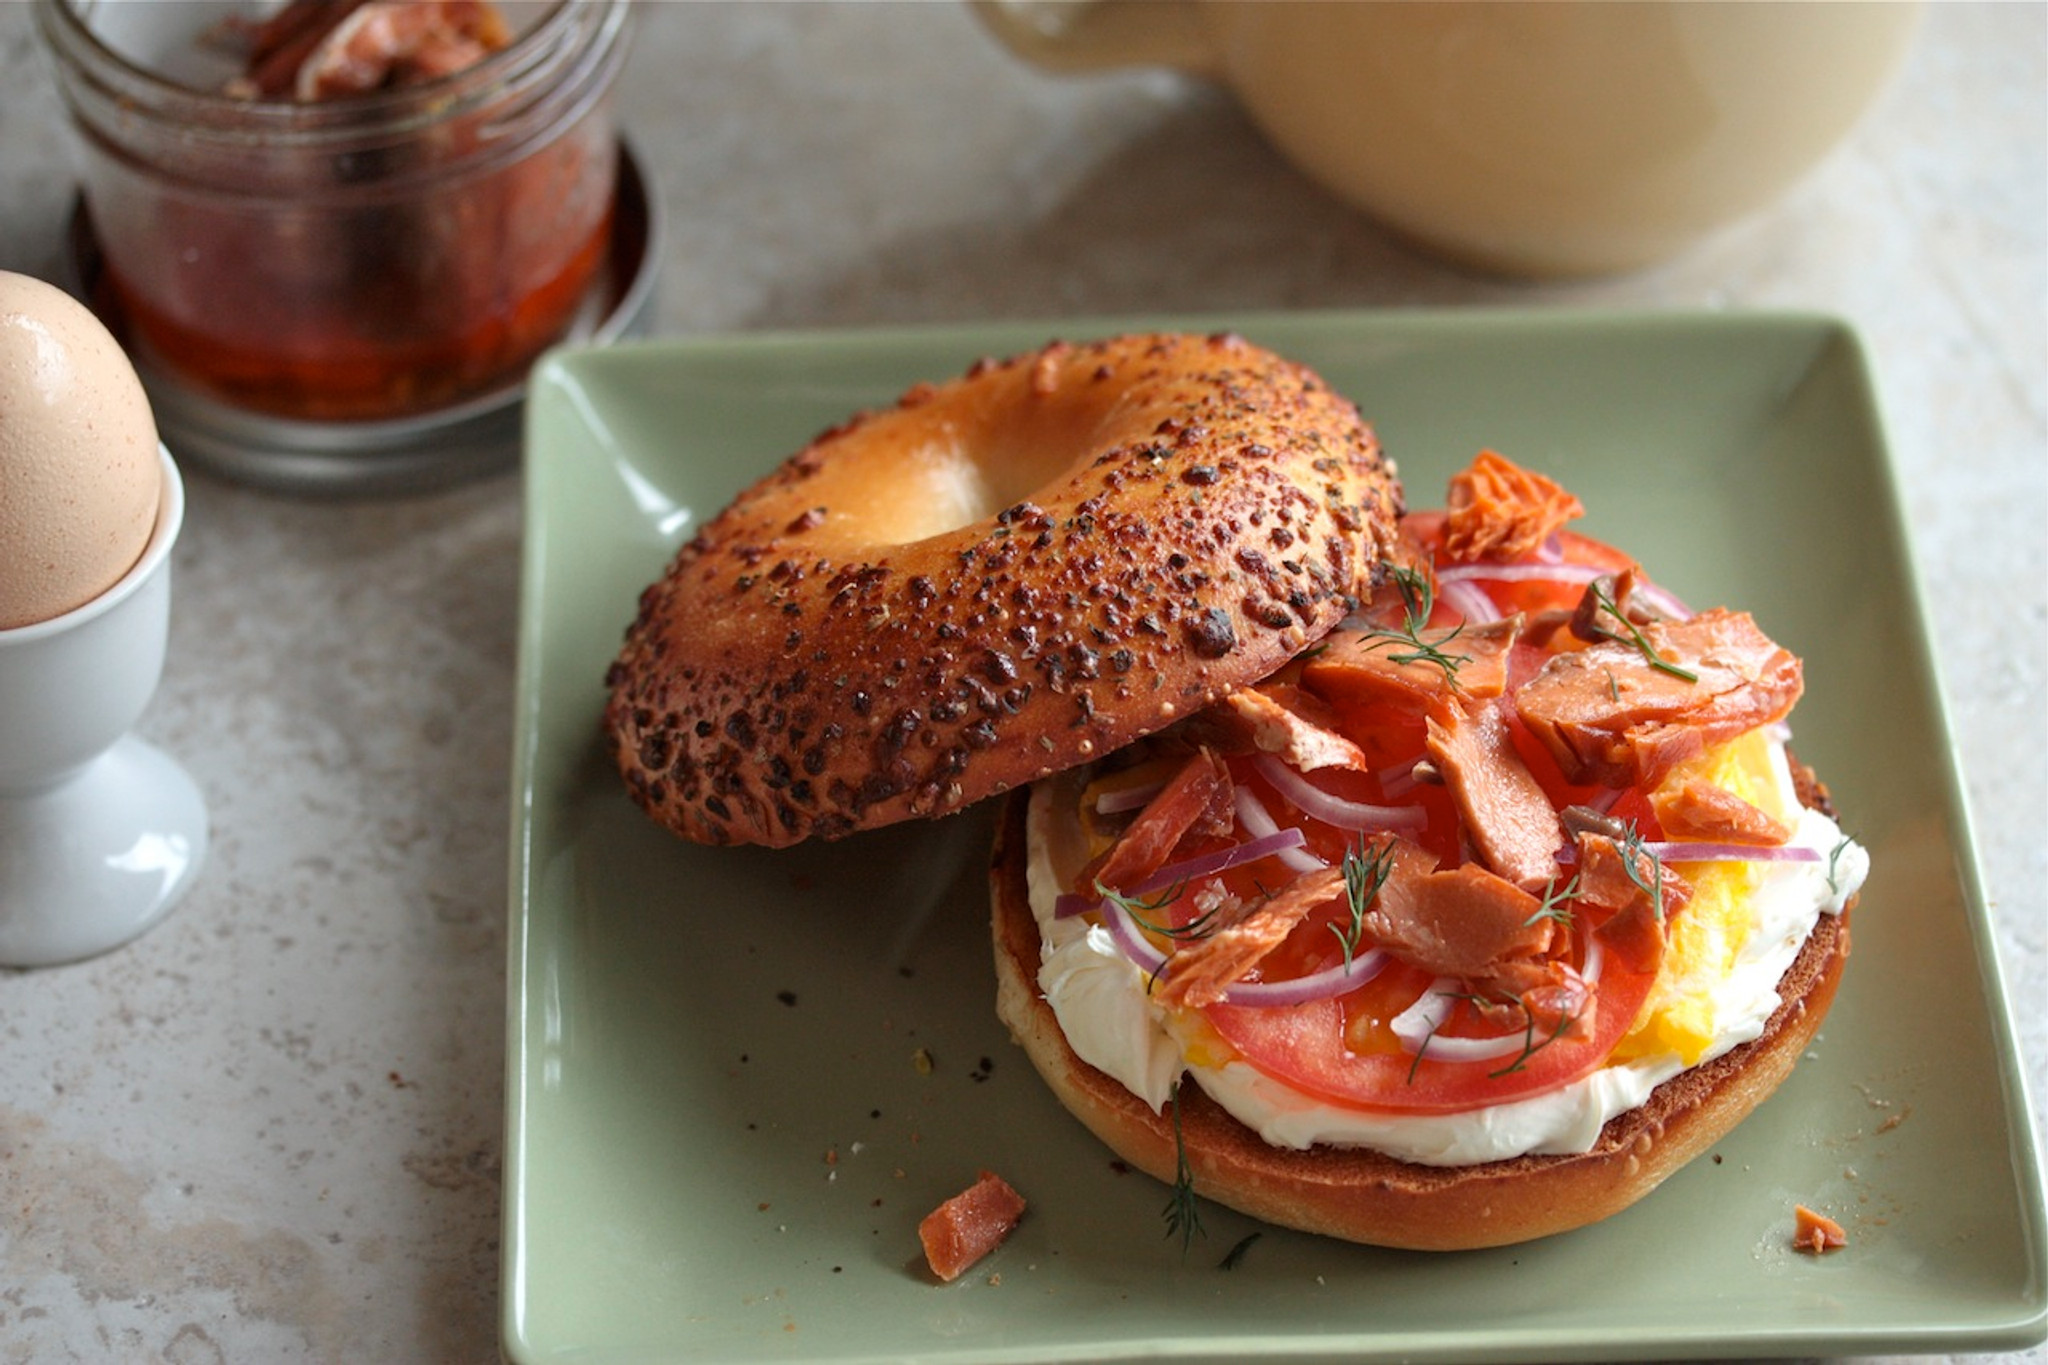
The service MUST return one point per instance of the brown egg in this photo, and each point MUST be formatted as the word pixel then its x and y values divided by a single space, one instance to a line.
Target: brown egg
pixel 79 471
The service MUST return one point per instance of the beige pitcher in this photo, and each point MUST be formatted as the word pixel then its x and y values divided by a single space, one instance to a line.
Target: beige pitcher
pixel 1534 137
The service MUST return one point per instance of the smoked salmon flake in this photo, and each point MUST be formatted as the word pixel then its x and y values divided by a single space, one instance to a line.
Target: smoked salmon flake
pixel 1204 970
pixel 1465 923
pixel 1368 668
pixel 1816 1232
pixel 1507 817
pixel 1622 880
pixel 1295 726
pixel 1499 510
pixel 970 1225
pixel 1197 795
pixel 1613 715
pixel 1697 809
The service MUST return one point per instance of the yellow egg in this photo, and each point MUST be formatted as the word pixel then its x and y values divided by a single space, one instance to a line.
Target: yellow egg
pixel 1703 941
pixel 1705 937
pixel 1199 1041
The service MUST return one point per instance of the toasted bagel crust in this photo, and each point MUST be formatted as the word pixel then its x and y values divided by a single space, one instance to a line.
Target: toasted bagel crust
pixel 1364 1196
pixel 996 579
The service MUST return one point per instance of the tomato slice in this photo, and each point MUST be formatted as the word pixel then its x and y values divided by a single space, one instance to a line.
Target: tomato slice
pixel 1305 1047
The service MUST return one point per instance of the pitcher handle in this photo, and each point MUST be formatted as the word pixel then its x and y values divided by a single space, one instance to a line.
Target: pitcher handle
pixel 1091 35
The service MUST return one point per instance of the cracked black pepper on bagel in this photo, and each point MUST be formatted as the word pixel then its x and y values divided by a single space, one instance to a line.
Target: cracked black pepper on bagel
pixel 993 580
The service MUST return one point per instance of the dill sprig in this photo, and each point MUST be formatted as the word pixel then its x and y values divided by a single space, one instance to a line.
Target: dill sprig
pixel 1630 633
pixel 1553 906
pixel 1364 874
pixel 1182 1212
pixel 1139 909
pixel 1418 600
pixel 1427 1038
pixel 1531 1043
pixel 1631 847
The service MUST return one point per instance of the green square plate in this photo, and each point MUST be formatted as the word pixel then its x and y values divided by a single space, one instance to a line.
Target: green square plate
pixel 737 1079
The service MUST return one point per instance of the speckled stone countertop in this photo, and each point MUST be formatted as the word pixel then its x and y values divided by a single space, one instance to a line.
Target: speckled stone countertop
pixel 271 1129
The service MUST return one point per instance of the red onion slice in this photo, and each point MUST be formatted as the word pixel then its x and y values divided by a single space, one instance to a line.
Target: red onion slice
pixel 1417 1027
pixel 1732 853
pixel 1130 798
pixel 1130 940
pixel 1606 799
pixel 1470 600
pixel 1321 985
pixel 1257 821
pixel 1280 841
pixel 1661 598
pixel 1067 905
pixel 1398 779
pixel 1519 573
pixel 1188 869
pixel 1589 972
pixel 1336 811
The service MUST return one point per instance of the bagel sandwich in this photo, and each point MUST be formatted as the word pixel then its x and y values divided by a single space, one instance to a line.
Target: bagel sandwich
pixel 1468 926
pixel 1424 879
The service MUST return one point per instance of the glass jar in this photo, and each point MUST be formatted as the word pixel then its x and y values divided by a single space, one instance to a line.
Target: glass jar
pixel 362 258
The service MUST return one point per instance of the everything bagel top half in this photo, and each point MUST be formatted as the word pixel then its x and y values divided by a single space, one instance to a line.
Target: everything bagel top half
pixel 993 580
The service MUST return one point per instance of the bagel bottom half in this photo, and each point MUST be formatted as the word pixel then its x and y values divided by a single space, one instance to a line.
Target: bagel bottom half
pixel 1364 1196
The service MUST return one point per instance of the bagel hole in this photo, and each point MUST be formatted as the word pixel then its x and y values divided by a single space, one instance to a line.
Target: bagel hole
pixel 963 471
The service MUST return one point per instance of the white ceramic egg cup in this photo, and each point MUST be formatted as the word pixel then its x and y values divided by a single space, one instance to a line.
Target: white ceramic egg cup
pixel 100 833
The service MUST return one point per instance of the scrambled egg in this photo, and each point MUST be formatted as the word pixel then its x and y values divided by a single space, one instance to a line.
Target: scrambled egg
pixel 1707 936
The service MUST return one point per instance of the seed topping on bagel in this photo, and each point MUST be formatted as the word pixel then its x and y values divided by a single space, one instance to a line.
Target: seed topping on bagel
pixel 993 580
